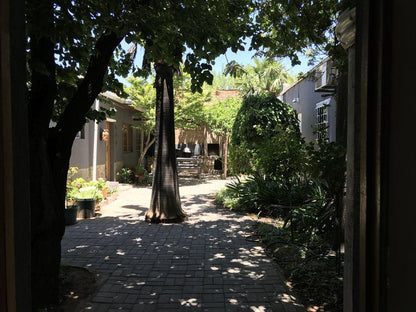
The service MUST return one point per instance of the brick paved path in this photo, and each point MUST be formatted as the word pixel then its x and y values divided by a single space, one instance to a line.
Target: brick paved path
pixel 207 263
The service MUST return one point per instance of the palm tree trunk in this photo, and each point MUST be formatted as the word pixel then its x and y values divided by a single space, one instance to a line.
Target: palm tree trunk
pixel 165 205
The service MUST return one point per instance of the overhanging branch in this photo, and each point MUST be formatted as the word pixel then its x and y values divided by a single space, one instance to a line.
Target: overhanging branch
pixel 73 118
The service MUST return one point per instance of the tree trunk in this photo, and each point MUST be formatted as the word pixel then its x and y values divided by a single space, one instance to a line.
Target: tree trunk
pixel 50 148
pixel 225 158
pixel 48 185
pixel 165 205
pixel 206 141
pixel 149 143
pixel 47 190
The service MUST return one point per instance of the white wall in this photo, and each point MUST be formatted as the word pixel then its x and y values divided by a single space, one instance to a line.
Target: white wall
pixel 303 98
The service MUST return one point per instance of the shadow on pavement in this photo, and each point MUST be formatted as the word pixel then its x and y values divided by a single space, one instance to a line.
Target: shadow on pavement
pixel 204 264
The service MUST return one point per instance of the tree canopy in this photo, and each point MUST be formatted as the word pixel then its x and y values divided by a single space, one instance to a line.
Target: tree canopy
pixel 287 28
pixel 189 106
pixel 74 53
pixel 266 75
pixel 143 96
pixel 221 115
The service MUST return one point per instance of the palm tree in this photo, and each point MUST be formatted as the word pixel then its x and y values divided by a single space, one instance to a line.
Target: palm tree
pixel 266 75
pixel 165 205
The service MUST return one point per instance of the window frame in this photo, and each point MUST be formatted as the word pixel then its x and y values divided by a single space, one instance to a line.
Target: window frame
pixel 322 121
pixel 127 138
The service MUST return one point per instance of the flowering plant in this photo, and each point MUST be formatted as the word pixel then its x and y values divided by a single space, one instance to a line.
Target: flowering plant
pixel 80 189
pixel 112 187
pixel 125 175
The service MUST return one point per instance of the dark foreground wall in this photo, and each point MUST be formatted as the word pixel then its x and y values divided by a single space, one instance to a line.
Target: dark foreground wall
pixel 380 270
pixel 401 160
pixel 14 183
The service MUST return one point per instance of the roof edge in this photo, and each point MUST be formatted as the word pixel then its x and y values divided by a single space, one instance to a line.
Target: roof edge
pixel 305 75
pixel 121 101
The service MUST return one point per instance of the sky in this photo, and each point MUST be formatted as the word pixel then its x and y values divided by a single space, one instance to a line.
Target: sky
pixel 246 57
pixel 241 57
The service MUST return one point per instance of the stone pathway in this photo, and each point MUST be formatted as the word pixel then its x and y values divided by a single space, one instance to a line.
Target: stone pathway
pixel 208 263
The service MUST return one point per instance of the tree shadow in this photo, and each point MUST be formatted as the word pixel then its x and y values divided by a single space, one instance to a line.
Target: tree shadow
pixel 185 180
pixel 204 263
pixel 190 181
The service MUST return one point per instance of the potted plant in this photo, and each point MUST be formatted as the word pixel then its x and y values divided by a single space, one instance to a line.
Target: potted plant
pixel 71 212
pixel 86 197
pixel 140 173
pixel 71 208
pixel 102 186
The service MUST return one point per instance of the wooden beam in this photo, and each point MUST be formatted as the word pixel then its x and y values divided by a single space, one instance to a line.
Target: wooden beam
pixel 7 261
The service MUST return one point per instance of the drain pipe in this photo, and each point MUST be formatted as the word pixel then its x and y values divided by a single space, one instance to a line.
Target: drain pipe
pixel 95 146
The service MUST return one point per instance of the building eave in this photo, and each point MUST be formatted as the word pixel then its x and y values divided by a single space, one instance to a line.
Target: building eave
pixel 304 76
pixel 124 103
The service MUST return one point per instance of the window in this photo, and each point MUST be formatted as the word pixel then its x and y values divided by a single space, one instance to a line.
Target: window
pixel 322 119
pixel 300 121
pixel 127 131
pixel 81 133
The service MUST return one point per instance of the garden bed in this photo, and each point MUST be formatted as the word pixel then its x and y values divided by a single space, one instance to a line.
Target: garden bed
pixel 313 272
pixel 311 269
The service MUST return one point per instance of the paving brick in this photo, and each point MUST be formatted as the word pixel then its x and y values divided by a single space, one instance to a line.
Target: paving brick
pixel 203 264
pixel 130 298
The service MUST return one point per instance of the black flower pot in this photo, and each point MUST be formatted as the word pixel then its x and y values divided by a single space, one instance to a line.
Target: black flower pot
pixel 86 207
pixel 71 215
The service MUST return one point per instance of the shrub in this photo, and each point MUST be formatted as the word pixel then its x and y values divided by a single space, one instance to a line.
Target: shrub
pixel 100 184
pixel 256 123
pixel 226 198
pixel 301 184
pixel 87 192
pixel 310 266
pixel 140 169
pixel 328 167
pixel 283 156
pixel 125 175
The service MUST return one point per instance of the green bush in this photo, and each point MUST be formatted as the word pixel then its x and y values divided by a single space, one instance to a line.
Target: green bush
pixel 100 184
pixel 301 185
pixel 310 265
pixel 125 175
pixel 258 120
pixel 283 156
pixel 226 199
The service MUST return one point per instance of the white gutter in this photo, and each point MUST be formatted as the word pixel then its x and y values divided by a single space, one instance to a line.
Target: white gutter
pixel 94 151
